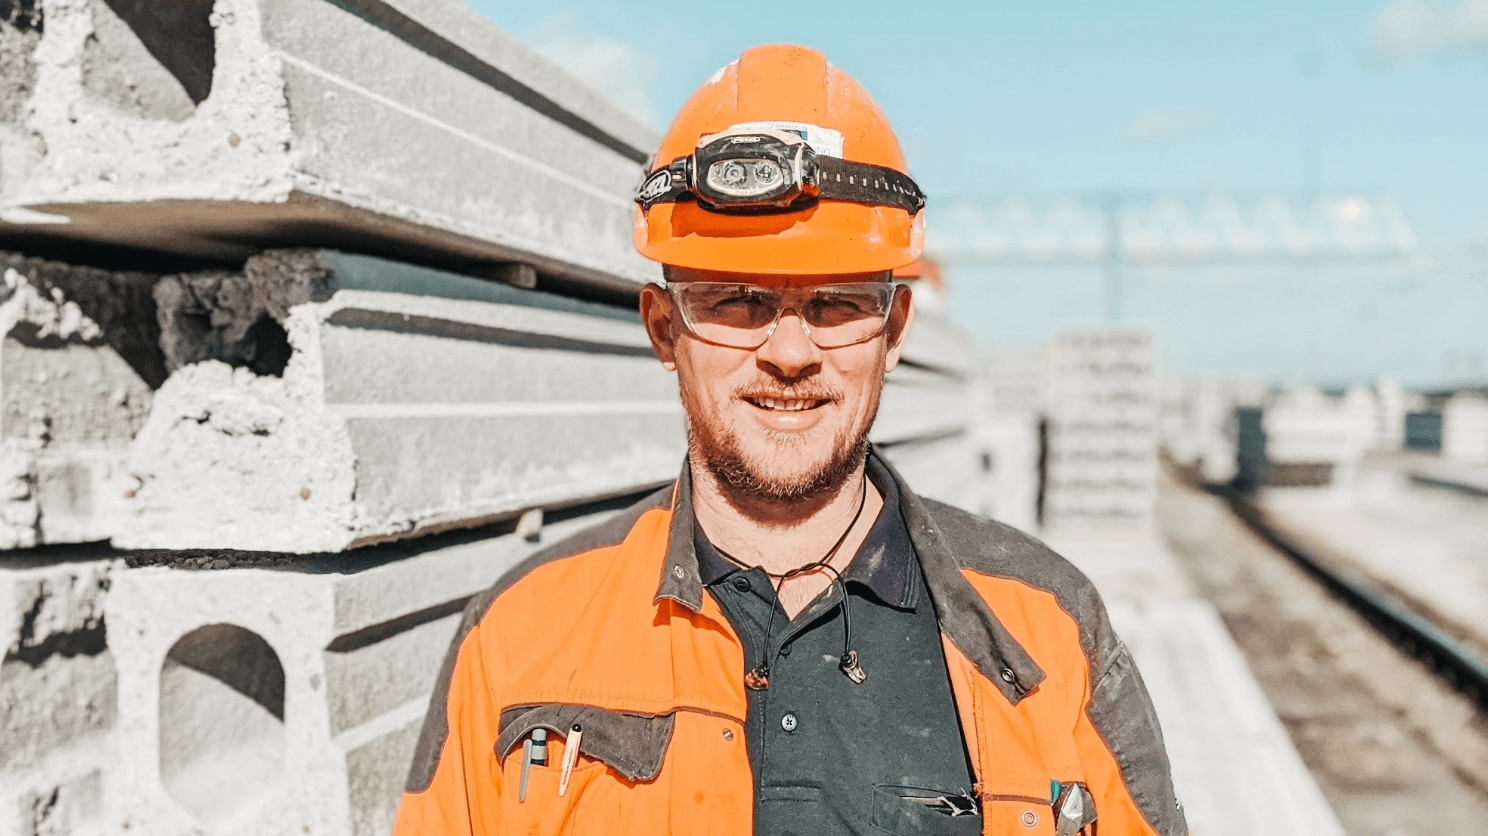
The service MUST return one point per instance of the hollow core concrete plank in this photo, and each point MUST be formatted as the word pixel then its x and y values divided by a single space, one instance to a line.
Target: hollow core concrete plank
pixel 356 646
pixel 408 127
pixel 429 401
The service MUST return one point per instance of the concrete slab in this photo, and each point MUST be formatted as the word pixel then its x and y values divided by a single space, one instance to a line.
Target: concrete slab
pixel 271 700
pixel 1102 429
pixel 1236 771
pixel 411 400
pixel 58 706
pixel 75 373
pixel 1436 470
pixel 1423 543
pixel 214 130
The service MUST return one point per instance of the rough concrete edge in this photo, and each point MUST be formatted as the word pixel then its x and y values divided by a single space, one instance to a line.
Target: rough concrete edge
pixel 236 146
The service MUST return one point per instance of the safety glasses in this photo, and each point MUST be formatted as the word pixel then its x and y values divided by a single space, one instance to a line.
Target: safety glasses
pixel 746 315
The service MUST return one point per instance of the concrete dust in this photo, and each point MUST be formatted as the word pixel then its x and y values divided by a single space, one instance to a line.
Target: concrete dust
pixel 1395 751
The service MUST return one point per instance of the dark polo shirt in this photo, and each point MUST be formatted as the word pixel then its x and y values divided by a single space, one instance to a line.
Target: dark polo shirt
pixel 830 756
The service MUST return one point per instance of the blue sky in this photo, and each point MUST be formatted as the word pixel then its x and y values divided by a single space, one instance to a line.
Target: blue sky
pixel 1384 96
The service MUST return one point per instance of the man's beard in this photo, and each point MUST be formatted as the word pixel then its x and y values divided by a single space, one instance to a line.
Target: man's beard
pixel 749 477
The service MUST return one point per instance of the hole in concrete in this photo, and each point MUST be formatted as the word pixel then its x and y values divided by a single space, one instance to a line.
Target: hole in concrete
pixel 21 14
pixel 266 347
pixel 152 58
pixel 222 746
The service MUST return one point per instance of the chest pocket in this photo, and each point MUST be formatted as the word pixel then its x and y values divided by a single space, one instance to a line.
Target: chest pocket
pixel 633 745
pixel 616 751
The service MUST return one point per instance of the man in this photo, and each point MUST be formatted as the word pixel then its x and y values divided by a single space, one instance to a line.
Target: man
pixel 787 640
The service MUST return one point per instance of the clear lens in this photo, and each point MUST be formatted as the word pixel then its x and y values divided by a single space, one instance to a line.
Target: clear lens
pixel 745 178
pixel 732 174
pixel 742 315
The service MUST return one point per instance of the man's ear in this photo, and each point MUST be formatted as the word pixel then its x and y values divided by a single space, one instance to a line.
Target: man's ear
pixel 656 315
pixel 901 316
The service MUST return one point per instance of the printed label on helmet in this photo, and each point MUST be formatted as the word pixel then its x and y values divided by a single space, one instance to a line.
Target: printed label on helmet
pixel 655 186
pixel 824 141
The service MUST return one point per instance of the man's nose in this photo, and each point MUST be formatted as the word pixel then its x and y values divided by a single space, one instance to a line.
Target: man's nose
pixel 788 351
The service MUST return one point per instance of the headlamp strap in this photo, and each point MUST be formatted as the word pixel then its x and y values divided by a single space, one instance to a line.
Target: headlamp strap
pixel 873 185
pixel 836 179
pixel 667 185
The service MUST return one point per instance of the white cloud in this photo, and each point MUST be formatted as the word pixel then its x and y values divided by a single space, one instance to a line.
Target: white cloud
pixel 1405 28
pixel 1168 124
pixel 618 71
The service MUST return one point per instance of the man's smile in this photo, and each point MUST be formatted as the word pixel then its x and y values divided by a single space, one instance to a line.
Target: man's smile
pixel 786 404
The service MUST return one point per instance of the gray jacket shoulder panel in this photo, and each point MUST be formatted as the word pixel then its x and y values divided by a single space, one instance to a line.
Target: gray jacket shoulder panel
pixel 995 549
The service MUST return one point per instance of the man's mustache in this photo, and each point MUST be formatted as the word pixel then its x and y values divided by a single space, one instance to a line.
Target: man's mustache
pixel 763 389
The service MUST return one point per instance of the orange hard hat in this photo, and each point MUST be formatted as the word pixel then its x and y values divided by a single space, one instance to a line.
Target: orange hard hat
pixel 780 112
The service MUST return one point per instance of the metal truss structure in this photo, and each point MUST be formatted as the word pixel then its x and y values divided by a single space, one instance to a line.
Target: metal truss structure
pixel 1114 229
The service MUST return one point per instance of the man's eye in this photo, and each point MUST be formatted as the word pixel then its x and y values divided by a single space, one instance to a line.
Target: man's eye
pixel 744 302
pixel 843 306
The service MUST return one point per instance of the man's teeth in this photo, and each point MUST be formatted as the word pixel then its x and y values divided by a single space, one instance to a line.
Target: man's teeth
pixel 786 405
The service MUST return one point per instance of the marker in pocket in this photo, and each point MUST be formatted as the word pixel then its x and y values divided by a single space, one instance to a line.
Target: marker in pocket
pixel 570 756
pixel 534 753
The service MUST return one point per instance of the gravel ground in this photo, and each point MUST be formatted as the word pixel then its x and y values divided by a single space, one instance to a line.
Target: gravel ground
pixel 1394 750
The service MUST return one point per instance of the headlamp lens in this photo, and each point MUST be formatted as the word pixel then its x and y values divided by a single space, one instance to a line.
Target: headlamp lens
pixel 745 178
pixel 732 174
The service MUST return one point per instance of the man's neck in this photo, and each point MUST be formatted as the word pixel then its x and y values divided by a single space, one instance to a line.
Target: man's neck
pixel 781 536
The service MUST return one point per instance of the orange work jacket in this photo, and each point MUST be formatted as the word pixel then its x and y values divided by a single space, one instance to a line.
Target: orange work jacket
pixel 612 629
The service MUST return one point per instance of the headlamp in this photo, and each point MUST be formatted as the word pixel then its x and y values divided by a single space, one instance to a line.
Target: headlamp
pixel 759 169
pixel 745 170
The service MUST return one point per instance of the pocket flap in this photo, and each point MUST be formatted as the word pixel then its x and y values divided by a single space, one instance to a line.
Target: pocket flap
pixel 631 744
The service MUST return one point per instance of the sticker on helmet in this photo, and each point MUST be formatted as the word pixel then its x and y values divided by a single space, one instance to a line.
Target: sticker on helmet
pixel 825 142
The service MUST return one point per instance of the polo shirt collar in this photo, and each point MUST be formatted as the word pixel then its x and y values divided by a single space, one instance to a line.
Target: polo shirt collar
pixel 884 564
pixel 965 618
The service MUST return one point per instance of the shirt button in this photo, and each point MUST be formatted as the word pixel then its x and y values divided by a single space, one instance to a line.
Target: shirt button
pixel 728 735
pixel 1007 675
pixel 677 572
pixel 788 722
pixel 741 584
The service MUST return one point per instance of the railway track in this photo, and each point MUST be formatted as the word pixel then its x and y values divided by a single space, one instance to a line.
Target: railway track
pixel 1451 660
pixel 1396 750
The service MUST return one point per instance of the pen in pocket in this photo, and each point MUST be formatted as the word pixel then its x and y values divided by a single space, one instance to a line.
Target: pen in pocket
pixel 534 753
pixel 570 756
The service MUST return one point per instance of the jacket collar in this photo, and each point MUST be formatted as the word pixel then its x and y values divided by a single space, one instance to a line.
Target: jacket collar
pixel 964 616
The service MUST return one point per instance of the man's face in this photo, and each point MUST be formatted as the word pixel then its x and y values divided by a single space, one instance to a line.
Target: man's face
pixel 787 420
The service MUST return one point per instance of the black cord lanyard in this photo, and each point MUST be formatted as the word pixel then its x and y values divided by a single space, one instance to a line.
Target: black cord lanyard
pixel 758 679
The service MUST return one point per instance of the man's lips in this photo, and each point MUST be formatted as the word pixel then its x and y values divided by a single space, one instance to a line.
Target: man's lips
pixel 783 404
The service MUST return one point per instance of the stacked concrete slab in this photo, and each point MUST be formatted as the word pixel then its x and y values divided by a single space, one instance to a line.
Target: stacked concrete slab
pixel 1010 392
pixel 1101 465
pixel 411 400
pixel 1465 428
pixel 218 128
pixel 316 317
pixel 58 694
pixel 1312 439
pixel 925 420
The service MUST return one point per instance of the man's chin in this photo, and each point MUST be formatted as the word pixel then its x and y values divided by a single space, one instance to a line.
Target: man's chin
pixel 784 472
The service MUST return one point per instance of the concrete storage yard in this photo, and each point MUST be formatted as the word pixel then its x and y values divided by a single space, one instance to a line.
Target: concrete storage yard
pixel 318 316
